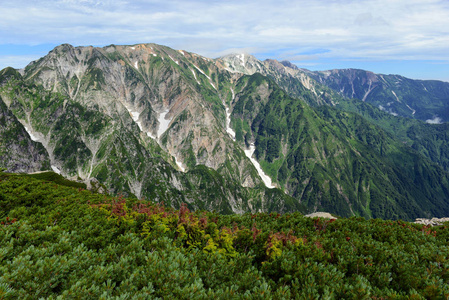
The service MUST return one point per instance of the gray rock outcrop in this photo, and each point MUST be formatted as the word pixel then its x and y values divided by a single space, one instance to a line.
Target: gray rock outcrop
pixel 432 222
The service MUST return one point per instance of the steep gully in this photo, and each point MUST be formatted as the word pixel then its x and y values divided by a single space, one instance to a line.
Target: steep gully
pixel 163 126
pixel 248 152
pixel 34 137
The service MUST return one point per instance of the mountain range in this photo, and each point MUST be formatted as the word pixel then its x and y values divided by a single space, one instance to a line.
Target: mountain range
pixel 232 134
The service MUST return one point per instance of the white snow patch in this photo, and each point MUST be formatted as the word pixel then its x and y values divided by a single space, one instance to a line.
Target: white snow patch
pixel 154 54
pixel 180 164
pixel 381 107
pixel 210 81
pixel 194 75
pixel 135 65
pixel 55 169
pixel 133 48
pixel 135 116
pixel 396 96
pixel 368 91
pixel 182 52
pixel 242 58
pixel 163 123
pixel 265 178
pixel 229 130
pixel 174 60
pixel 163 126
pixel 413 111
pixel 436 120
pixel 393 113
pixel 201 71
pixel 151 136
pixel 32 135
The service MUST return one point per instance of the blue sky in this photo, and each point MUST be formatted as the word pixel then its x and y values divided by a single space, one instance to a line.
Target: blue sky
pixel 406 37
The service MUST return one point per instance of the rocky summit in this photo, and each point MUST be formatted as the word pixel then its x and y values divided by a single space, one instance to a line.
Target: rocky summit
pixel 232 134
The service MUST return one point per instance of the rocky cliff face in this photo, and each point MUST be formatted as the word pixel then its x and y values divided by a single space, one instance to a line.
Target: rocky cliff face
pixel 18 152
pixel 167 93
pixel 130 115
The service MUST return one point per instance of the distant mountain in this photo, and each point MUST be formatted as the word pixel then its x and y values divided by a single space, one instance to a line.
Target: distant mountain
pixel 369 95
pixel 426 100
pixel 332 160
pixel 430 140
pixel 232 134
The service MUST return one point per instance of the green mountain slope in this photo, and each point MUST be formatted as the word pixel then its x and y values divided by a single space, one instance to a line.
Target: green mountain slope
pixel 16 146
pixel 335 161
pixel 381 99
pixel 431 140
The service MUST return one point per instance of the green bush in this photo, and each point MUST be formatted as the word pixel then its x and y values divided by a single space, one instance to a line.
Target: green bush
pixel 59 242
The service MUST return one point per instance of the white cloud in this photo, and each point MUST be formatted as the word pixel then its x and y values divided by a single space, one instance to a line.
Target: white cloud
pixel 366 29
pixel 17 61
pixel 435 120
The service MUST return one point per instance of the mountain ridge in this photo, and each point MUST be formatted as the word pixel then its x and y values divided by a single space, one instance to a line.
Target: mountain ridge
pixel 146 119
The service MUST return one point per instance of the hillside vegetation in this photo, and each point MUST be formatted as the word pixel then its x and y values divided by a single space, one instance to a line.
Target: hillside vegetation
pixel 430 140
pixel 59 241
pixel 336 160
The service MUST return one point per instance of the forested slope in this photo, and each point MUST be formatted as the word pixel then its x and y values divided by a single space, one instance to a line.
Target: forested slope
pixel 58 240
pixel 334 160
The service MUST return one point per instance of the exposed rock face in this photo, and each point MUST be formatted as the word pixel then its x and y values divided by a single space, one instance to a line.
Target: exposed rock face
pixel 292 79
pixel 432 222
pixel 128 116
pixel 157 87
pixel 18 152
pixel 321 215
pixel 242 63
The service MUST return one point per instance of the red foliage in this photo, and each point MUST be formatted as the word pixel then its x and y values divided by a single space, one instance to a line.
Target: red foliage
pixel 118 207
pixel 9 221
pixel 255 232
pixel 203 222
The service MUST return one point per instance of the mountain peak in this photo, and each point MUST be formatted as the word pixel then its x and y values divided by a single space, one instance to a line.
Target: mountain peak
pixel 242 63
pixel 288 64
